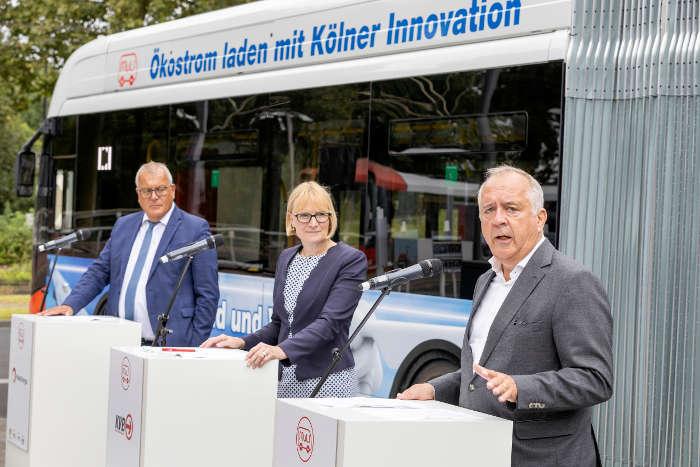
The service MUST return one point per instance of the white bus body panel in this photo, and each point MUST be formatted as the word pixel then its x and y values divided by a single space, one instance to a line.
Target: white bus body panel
pixel 115 72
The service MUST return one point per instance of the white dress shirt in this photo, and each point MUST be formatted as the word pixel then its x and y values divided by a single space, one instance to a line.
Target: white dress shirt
pixel 141 306
pixel 493 300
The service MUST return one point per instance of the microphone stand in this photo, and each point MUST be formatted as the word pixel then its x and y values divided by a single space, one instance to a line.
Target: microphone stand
pixel 162 332
pixel 48 282
pixel 338 353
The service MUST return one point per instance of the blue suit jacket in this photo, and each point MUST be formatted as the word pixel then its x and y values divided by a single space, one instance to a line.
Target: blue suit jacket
pixel 323 312
pixel 194 309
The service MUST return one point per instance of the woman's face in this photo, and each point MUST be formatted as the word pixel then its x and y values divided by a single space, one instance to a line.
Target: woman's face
pixel 312 232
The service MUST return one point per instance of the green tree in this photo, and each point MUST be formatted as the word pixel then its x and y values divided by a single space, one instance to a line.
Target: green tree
pixel 14 131
pixel 37 38
pixel 15 238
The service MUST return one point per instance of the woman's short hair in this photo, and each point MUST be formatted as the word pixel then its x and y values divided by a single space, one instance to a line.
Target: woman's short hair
pixel 311 193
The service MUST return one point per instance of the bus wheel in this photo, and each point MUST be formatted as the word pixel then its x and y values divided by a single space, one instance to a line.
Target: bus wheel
pixel 101 305
pixel 426 366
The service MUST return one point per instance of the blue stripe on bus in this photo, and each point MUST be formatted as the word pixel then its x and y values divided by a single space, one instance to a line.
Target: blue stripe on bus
pixel 253 296
pixel 245 306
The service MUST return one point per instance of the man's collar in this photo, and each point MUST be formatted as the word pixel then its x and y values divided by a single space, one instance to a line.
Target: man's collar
pixel 164 220
pixel 497 267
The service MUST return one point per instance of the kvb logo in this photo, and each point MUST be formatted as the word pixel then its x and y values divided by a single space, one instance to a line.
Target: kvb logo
pixel 20 378
pixel 128 65
pixel 124 425
pixel 125 373
pixel 305 439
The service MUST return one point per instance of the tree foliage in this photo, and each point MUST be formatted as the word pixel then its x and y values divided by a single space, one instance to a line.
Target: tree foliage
pixel 13 132
pixel 38 37
pixel 15 238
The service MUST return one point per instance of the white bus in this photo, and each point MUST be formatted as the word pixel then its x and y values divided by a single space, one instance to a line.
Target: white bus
pixel 397 106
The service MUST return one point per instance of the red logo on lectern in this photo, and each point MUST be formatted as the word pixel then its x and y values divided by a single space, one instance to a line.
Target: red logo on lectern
pixel 124 425
pixel 129 427
pixel 125 373
pixel 305 439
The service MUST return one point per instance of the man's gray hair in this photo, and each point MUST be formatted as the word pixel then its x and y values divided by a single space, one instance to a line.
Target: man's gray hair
pixel 534 193
pixel 153 168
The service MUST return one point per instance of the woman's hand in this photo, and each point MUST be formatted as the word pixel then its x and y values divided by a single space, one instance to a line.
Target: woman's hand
pixel 223 341
pixel 263 353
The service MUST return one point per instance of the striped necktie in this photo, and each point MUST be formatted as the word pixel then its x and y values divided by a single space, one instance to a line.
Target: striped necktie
pixel 130 298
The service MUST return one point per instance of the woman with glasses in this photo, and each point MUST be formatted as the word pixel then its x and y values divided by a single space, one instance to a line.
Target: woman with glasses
pixel 315 295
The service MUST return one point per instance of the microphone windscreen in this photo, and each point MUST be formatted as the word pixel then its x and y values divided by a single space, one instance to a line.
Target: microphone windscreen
pixel 437 266
pixel 81 234
pixel 431 267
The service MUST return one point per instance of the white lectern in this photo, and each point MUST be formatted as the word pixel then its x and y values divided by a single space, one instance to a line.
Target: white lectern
pixel 57 390
pixel 366 432
pixel 188 407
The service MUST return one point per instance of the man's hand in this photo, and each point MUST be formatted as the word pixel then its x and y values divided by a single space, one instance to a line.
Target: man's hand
pixel 263 353
pixel 57 310
pixel 223 341
pixel 420 392
pixel 501 385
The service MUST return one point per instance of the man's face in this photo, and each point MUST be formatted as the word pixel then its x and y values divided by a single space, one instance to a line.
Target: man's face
pixel 508 224
pixel 155 193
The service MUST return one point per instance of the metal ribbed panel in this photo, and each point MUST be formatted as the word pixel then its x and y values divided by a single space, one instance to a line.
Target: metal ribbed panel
pixel 631 212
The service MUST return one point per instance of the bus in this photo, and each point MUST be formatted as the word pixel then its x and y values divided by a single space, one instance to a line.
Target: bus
pixel 398 107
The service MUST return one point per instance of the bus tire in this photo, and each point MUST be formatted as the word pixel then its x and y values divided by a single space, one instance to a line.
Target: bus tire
pixel 101 305
pixel 427 361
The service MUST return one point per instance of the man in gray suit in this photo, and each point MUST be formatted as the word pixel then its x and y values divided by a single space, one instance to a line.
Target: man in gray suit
pixel 538 344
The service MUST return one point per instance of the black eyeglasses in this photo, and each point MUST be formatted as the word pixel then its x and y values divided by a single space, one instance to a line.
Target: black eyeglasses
pixel 305 217
pixel 148 192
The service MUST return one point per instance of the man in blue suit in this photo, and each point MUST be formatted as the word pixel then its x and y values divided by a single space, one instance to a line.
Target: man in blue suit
pixel 140 286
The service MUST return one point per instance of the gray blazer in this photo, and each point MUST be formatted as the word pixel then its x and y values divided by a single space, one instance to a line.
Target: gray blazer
pixel 553 335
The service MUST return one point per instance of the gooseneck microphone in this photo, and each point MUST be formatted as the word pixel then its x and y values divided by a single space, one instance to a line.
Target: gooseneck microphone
pixel 212 241
pixel 64 241
pixel 424 268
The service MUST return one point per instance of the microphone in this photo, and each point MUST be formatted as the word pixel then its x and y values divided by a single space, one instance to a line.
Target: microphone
pixel 212 241
pixel 425 268
pixel 64 241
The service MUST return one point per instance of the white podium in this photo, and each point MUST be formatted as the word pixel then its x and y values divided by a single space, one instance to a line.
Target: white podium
pixel 57 389
pixel 189 407
pixel 366 432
